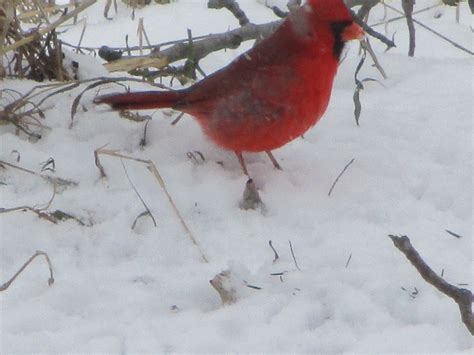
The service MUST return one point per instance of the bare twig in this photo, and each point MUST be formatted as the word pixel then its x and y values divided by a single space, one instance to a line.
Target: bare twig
pixel 339 176
pixel 365 7
pixel 232 6
pixel 108 4
pixel 371 32
pixel 461 296
pixel 37 253
pixel 274 251
pixel 407 6
pixel 433 31
pixel 135 48
pixel 98 163
pixel 279 12
pixel 385 22
pixel 293 255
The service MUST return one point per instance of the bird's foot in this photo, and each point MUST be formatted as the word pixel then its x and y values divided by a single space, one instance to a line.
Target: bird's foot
pixel 244 167
pixel 274 161
pixel 242 162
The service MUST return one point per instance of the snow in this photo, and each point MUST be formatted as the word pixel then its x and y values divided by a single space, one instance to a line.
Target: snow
pixel 146 290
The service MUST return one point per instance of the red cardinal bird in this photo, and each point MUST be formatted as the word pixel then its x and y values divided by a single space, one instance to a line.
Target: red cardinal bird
pixel 269 95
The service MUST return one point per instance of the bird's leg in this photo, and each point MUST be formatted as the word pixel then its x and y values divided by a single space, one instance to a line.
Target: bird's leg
pixel 274 161
pixel 242 162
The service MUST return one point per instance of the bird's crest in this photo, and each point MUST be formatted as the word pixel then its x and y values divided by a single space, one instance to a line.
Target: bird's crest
pixel 329 10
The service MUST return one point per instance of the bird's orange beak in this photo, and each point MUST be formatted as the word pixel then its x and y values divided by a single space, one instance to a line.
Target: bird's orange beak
pixel 354 31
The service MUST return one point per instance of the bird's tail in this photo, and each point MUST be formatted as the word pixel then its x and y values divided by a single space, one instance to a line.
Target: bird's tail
pixel 142 100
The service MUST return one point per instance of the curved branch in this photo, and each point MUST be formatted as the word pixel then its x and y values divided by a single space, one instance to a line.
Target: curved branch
pixel 461 296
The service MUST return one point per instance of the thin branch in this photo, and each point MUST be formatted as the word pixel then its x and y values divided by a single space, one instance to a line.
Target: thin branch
pixel 278 12
pixel 232 6
pixel 370 31
pixel 393 19
pixel 461 296
pixel 365 8
pixel 433 31
pixel 135 48
pixel 407 6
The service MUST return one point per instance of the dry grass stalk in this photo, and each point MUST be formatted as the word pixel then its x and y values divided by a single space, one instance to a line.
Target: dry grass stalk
pixel 154 170
pixel 36 254
pixel 22 113
pixel 56 181
pixel 39 211
pixel 46 29
pixel 34 54
pixel 339 176
pixel 147 211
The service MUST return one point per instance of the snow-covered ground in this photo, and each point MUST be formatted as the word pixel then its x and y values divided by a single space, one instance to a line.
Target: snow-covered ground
pixel 146 290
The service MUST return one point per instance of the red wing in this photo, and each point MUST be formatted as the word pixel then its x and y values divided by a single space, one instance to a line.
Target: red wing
pixel 268 60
